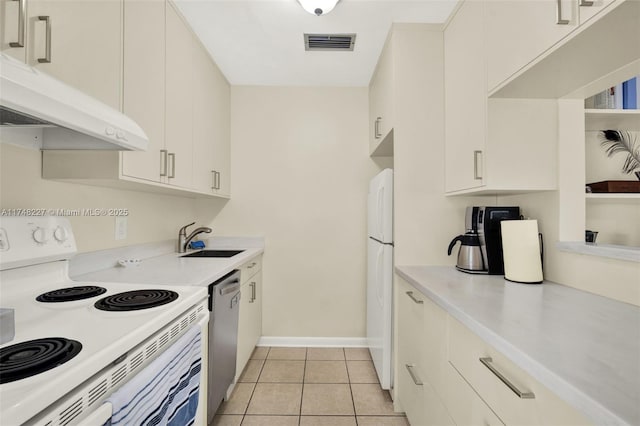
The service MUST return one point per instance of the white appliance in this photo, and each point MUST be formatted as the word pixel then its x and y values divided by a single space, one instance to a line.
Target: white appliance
pixel 380 275
pixel 106 349
pixel 36 106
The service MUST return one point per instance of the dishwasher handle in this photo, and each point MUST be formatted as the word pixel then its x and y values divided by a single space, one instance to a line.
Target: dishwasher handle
pixel 229 287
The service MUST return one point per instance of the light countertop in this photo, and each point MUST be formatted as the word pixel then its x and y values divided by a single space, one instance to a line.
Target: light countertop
pixel 583 347
pixel 163 266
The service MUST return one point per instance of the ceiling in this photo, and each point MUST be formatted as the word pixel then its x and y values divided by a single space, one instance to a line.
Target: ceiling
pixel 261 42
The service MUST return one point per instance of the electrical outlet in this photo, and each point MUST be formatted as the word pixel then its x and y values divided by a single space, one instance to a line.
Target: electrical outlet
pixel 121 227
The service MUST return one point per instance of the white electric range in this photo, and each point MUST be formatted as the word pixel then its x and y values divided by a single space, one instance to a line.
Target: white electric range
pixel 95 344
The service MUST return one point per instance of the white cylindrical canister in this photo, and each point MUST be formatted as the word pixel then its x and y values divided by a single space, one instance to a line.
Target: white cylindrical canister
pixel 521 251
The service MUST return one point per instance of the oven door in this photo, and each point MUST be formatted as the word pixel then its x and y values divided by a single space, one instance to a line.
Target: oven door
pixel 104 412
pixel 88 405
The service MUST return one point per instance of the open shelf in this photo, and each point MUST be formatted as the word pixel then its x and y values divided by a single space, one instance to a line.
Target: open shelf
pixel 613 196
pixel 612 119
pixel 611 251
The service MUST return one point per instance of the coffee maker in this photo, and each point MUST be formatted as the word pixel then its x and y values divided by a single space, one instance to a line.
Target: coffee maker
pixel 486 222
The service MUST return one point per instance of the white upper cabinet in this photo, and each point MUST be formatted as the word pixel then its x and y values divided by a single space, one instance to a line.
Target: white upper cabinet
pixel 144 90
pixel 535 52
pixel 518 31
pixel 381 103
pixel 465 98
pixel 179 97
pixel 211 127
pixel 180 46
pixel 13 28
pixel 78 42
pixel 492 145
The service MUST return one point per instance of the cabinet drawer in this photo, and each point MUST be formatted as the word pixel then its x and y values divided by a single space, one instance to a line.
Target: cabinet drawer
pixel 464 404
pixel 542 408
pixel 250 268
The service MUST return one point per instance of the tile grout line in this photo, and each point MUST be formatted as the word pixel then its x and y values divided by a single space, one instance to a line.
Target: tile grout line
pixel 255 385
pixel 304 372
pixel 353 401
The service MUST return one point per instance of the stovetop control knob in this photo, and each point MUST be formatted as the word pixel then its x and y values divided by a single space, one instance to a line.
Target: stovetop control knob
pixel 60 234
pixel 40 235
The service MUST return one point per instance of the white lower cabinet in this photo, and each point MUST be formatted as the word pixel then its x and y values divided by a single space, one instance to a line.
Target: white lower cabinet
pixel 414 390
pixel 250 320
pixel 445 377
pixel 523 401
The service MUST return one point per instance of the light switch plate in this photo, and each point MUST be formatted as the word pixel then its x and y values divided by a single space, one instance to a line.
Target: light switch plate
pixel 121 227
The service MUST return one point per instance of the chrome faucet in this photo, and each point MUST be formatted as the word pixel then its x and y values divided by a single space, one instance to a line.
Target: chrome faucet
pixel 184 240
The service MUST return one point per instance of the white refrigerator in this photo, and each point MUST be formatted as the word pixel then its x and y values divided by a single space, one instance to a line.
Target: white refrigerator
pixel 380 274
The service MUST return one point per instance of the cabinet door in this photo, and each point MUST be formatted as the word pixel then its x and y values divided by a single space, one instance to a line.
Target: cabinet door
pixel 465 98
pixel 222 132
pixel 13 27
pixel 143 97
pixel 211 101
pixel 179 99
pixel 86 44
pixel 588 9
pixel 204 121
pixel 518 31
pixel 381 99
pixel 249 321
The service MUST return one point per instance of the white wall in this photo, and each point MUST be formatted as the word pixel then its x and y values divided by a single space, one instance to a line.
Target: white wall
pixel 299 174
pixel 152 217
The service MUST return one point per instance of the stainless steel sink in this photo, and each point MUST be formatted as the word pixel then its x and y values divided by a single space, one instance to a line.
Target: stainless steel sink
pixel 214 253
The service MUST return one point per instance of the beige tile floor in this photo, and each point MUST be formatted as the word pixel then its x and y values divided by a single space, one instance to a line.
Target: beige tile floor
pixel 309 387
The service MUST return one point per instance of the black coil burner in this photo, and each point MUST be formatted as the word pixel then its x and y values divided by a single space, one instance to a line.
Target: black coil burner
pixel 136 300
pixel 71 293
pixel 33 357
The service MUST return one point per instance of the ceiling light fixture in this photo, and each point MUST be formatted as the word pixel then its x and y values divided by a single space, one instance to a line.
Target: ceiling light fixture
pixel 318 7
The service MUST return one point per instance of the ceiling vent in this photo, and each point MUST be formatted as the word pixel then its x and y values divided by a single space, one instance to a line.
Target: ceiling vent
pixel 329 42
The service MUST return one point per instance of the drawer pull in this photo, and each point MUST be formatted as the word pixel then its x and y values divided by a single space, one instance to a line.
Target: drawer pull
pixel 523 395
pixel 252 265
pixel 418 301
pixel 413 375
pixel 253 291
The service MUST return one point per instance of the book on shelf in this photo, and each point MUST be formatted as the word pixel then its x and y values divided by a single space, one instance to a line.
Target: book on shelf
pixel 621 96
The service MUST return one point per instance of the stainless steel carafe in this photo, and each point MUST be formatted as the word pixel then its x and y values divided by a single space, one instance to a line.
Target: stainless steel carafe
pixel 470 254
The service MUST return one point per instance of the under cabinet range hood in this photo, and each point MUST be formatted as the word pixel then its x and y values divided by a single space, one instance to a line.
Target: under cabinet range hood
pixel 41 111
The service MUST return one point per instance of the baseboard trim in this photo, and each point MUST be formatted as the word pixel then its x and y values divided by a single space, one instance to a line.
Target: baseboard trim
pixel 336 342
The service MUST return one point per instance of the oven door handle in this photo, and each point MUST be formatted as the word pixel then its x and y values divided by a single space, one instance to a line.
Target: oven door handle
pixel 98 417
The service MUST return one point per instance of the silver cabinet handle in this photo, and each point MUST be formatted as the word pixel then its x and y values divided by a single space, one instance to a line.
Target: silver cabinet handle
pixel 487 362
pixel 213 179
pixel 253 291
pixel 376 128
pixel 252 265
pixel 47 40
pixel 412 297
pixel 172 156
pixel 413 375
pixel 559 19
pixel 217 180
pixel 22 17
pixel 476 155
pixel 163 162
pixel 585 3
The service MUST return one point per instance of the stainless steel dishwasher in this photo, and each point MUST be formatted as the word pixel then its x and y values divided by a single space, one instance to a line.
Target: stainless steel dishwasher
pixel 224 304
